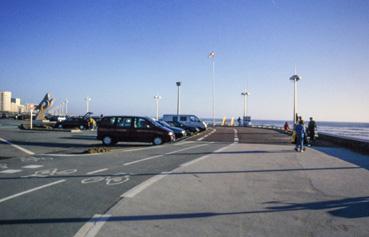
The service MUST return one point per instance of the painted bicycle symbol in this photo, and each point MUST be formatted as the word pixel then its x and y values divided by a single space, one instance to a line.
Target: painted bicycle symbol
pixel 52 172
pixel 116 179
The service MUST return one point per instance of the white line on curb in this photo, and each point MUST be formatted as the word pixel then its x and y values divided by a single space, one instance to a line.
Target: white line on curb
pixel 97 171
pixel 31 190
pixel 92 227
pixel 236 140
pixel 17 147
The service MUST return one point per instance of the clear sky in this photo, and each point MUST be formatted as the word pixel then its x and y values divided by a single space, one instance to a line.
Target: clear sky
pixel 122 53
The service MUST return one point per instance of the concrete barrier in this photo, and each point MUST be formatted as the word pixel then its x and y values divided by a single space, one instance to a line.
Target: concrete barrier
pixel 351 143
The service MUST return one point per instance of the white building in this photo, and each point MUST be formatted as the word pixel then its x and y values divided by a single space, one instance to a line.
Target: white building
pixel 5 101
pixel 15 106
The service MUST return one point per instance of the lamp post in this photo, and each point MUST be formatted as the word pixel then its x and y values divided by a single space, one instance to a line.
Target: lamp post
pixel 295 78
pixel 66 106
pixel 178 83
pixel 212 57
pixel 62 108
pixel 245 94
pixel 88 99
pixel 157 98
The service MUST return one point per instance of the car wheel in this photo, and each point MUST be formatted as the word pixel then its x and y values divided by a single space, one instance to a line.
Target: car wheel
pixel 81 127
pixel 157 141
pixel 107 141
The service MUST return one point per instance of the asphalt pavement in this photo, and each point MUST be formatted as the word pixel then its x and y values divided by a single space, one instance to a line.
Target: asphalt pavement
pixel 224 182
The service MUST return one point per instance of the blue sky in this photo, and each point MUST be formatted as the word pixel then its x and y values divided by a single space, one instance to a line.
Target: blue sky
pixel 122 53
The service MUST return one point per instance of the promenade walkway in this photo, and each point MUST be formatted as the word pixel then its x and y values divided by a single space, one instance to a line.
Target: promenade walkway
pixel 253 187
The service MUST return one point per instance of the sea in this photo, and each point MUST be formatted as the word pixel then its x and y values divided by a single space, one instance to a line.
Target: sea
pixel 357 131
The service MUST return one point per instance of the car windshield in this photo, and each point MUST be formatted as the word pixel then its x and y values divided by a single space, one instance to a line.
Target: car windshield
pixel 154 122
pixel 163 123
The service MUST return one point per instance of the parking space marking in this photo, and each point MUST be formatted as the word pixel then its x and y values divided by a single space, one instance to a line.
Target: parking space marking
pixel 17 147
pixel 98 171
pixel 31 190
pixel 32 166
pixel 210 133
pixel 184 149
pixel 10 171
pixel 144 159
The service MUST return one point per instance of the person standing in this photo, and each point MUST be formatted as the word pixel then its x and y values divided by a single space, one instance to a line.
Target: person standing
pixel 286 127
pixel 311 130
pixel 239 121
pixel 300 136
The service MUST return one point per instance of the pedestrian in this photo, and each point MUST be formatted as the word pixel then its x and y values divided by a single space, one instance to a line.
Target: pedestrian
pixel 239 121
pixel 311 130
pixel 300 136
pixel 286 127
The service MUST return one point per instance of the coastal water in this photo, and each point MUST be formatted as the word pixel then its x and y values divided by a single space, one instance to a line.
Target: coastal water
pixel 343 129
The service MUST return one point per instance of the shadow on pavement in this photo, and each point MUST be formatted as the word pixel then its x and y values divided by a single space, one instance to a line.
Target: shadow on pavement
pixel 42 175
pixel 346 208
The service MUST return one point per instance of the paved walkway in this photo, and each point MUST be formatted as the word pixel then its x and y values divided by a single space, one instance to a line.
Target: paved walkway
pixel 252 190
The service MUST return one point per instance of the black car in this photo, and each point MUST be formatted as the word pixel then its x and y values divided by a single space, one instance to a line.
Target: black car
pixel 73 122
pixel 179 132
pixel 189 129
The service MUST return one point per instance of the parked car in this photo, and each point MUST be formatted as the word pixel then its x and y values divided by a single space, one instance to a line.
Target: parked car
pixel 190 129
pixel 179 132
pixel 73 122
pixel 115 129
pixel 186 119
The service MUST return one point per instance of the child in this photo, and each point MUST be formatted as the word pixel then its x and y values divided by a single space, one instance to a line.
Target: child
pixel 300 135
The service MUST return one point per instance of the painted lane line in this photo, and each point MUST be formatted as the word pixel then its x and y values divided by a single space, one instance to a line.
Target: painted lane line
pixel 17 147
pixel 10 171
pixel 205 136
pixel 204 157
pixel 93 226
pixel 144 159
pixel 98 171
pixel 159 156
pixel 32 166
pixel 185 149
pixel 31 190
pixel 139 188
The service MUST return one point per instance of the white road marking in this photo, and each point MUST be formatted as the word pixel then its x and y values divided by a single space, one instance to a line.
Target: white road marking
pixel 10 171
pixel 187 148
pixel 210 133
pixel 159 156
pixel 17 147
pixel 97 171
pixel 236 140
pixel 144 159
pixel 31 190
pixel 32 166
pixel 139 188
pixel 93 226
pixel 3 166
pixel 203 157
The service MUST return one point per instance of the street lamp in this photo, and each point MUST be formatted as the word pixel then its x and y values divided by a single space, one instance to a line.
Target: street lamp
pixel 62 108
pixel 88 99
pixel 245 94
pixel 212 57
pixel 66 106
pixel 295 78
pixel 178 83
pixel 157 98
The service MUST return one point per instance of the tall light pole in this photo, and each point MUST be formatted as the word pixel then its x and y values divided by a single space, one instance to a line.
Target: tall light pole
pixel 62 108
pixel 157 98
pixel 212 57
pixel 66 106
pixel 88 99
pixel 178 83
pixel 245 94
pixel 295 78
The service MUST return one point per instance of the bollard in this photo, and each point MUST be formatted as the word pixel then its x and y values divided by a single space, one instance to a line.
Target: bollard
pixel 30 119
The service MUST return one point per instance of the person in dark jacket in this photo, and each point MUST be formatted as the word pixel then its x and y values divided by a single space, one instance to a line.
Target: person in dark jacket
pixel 311 130
pixel 300 135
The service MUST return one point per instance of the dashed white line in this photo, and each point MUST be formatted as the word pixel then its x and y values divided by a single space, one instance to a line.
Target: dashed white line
pixel 32 166
pixel 97 171
pixel 92 227
pixel 159 156
pixel 236 140
pixel 17 147
pixel 10 171
pixel 31 190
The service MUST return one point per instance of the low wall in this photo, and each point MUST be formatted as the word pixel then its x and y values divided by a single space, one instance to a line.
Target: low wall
pixel 351 143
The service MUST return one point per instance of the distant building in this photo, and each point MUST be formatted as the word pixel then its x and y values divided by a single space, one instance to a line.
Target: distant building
pixel 15 105
pixel 5 101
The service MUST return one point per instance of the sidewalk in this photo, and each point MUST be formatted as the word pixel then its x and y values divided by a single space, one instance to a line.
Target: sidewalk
pixel 252 190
